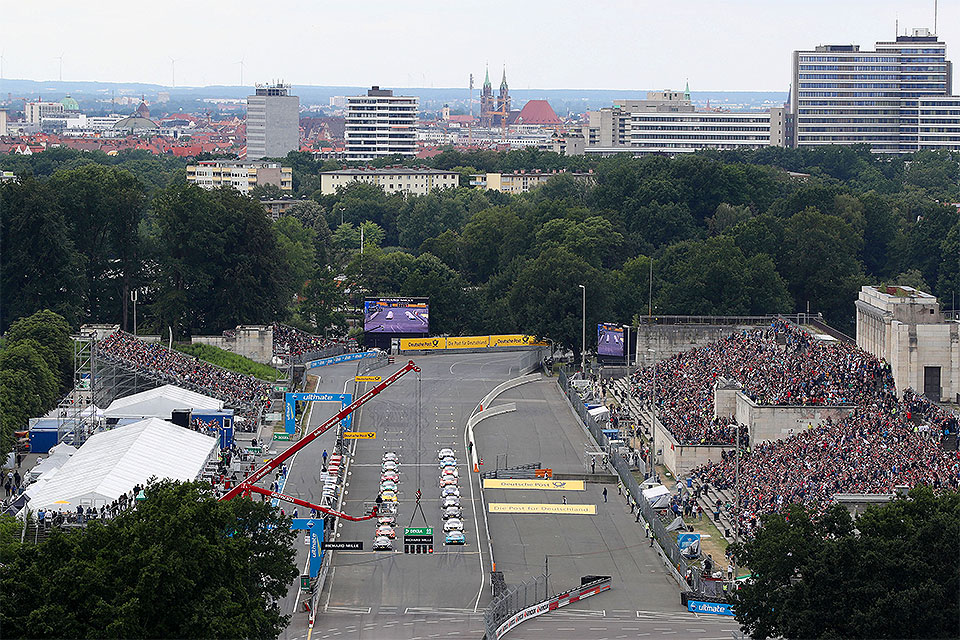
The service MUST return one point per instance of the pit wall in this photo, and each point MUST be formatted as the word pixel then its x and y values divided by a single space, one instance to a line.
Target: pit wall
pixel 251 341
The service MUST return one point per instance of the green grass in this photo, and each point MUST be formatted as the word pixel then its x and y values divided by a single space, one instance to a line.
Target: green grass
pixel 229 360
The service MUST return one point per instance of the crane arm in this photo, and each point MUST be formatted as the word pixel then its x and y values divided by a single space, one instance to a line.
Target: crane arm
pixel 303 503
pixel 270 465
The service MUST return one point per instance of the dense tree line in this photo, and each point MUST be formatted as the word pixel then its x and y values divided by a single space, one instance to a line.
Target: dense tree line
pixel 891 573
pixel 180 565
pixel 772 230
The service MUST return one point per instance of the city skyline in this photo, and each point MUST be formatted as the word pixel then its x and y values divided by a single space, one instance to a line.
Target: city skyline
pixel 741 45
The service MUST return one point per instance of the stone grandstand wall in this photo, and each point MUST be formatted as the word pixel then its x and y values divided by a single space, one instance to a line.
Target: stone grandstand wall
pixel 768 422
pixel 680 459
pixel 667 340
pixel 251 341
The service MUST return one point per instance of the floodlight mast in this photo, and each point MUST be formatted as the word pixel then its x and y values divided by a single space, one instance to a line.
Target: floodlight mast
pixel 244 486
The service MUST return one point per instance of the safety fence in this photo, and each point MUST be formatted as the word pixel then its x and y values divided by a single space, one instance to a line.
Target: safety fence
pixel 326 352
pixel 522 602
pixel 665 539
pixel 366 366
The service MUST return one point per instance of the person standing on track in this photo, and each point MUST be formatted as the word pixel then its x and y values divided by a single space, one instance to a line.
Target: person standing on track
pixel 604 494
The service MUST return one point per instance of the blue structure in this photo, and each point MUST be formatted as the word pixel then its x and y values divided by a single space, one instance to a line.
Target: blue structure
pixel 346 357
pixel 315 527
pixel 290 406
pixel 717 608
pixel 222 422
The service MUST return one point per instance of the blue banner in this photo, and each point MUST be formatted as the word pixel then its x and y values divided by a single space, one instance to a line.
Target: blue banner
pixel 684 540
pixel 718 608
pixel 346 357
pixel 290 407
pixel 315 527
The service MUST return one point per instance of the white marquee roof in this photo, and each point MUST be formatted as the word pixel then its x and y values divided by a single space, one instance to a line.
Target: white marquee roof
pixel 110 463
pixel 160 403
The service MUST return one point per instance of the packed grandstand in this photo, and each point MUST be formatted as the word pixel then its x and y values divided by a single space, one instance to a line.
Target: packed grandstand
pixel 289 342
pixel 246 394
pixel 884 443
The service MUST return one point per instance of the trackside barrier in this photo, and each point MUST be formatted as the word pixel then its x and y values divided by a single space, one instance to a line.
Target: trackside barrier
pixel 665 541
pixel 477 417
pixel 592 588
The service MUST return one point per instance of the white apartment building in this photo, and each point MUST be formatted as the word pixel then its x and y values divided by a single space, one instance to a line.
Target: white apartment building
pixel 273 122
pixel 843 95
pixel 242 176
pixel 651 132
pixel 381 124
pixel 35 112
pixel 519 181
pixel 416 181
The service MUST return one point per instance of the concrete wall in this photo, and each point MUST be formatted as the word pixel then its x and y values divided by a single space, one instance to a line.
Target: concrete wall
pixel 680 459
pixel 725 398
pixel 251 341
pixel 670 339
pixel 768 422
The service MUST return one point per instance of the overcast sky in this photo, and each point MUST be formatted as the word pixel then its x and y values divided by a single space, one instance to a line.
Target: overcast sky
pixel 596 44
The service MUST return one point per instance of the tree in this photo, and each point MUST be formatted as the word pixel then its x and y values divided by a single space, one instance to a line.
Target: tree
pixel 39 265
pixel 296 243
pixel 104 206
pixel 895 576
pixel 181 565
pixel 51 335
pixel 322 299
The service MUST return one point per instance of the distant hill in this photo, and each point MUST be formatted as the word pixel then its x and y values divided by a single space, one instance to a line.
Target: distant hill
pixel 563 101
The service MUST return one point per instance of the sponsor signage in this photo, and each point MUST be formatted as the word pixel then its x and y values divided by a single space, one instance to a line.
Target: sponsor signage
pixel 418 531
pixel 556 485
pixel 290 401
pixel 561 600
pixel 418 539
pixel 560 509
pixel 516 340
pixel 359 435
pixel 685 540
pixel 346 357
pixel 368 378
pixel 468 342
pixel 422 344
pixel 282 436
pixel 716 608
pixel 342 546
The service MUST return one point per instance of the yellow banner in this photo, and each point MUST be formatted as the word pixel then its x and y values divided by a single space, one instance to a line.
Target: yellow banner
pixel 468 342
pixel 360 435
pixel 413 344
pixel 368 378
pixel 565 509
pixel 556 485
pixel 516 340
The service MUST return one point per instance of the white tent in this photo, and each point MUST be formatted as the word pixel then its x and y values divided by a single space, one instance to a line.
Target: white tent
pixel 160 403
pixel 112 462
pixel 658 496
pixel 59 455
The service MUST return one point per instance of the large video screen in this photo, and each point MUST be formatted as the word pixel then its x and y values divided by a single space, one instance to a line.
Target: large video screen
pixel 610 339
pixel 396 315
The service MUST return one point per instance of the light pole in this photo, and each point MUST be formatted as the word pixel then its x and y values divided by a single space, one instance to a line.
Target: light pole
pixel 653 418
pixel 583 337
pixel 626 347
pixel 133 297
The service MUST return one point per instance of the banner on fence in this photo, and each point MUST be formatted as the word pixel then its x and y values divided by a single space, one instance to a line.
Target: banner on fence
pixel 560 509
pixel 560 600
pixel 347 357
pixel 470 342
pixel 716 608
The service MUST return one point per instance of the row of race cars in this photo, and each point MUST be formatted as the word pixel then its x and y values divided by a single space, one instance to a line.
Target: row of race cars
pixel 450 509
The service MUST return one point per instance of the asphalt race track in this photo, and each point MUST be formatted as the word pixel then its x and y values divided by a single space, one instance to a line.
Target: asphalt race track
pixel 389 594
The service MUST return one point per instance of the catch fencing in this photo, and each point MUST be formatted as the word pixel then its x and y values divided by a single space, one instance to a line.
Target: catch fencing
pixel 665 539
pixel 513 599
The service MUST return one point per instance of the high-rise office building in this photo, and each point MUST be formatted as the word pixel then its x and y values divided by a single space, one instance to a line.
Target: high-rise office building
pixel 381 124
pixel 273 122
pixel 897 99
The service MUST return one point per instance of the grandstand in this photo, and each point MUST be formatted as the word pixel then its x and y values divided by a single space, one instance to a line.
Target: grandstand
pixel 883 442
pixel 247 395
pixel 293 346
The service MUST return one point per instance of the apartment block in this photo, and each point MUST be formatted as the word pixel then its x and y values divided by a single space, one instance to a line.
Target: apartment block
pixel 380 124
pixel 413 181
pixel 273 122
pixel 242 176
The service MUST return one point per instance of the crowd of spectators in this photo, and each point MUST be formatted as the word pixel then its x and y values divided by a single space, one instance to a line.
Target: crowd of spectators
pixel 289 342
pixel 48 518
pixel 246 394
pixel 877 447
pixel 776 365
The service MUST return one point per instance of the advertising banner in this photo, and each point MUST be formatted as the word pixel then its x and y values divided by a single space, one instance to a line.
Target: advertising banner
pixel 716 608
pixel 516 340
pixel 468 342
pixel 422 344
pixel 610 340
pixel 346 357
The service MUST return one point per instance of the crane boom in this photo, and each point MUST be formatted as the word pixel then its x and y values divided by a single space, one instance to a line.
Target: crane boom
pixel 244 486
pixel 303 503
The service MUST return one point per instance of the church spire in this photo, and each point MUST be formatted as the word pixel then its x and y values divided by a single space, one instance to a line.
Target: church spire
pixel 503 83
pixel 686 93
pixel 486 80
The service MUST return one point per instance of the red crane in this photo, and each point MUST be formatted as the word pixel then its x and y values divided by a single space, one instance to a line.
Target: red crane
pixel 248 484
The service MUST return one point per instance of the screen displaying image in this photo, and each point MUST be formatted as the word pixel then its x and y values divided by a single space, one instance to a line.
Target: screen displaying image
pixel 610 339
pixel 396 315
